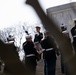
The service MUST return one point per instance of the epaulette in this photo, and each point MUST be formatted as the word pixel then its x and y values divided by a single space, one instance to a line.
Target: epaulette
pixel 24 43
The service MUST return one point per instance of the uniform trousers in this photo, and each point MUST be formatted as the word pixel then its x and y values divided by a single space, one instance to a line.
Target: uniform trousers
pixel 49 67
pixel 74 45
pixel 30 64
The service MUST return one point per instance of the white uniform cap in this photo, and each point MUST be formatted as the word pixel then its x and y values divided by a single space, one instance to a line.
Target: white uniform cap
pixel 28 36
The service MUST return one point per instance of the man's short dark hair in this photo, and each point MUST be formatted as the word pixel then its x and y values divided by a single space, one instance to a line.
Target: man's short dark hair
pixel 38 27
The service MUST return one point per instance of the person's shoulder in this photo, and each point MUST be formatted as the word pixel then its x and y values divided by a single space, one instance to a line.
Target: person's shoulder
pixel 42 40
pixel 41 33
pixel 24 43
pixel 73 28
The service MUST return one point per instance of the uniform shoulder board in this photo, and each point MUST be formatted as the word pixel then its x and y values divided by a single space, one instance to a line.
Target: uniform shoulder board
pixel 24 43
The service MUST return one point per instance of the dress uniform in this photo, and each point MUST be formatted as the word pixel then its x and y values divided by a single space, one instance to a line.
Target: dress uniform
pixel 73 32
pixel 38 35
pixel 38 38
pixel 49 56
pixel 30 56
pixel 63 64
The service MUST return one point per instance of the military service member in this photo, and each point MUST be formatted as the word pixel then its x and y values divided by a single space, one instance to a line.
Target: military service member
pixel 73 32
pixel 30 55
pixel 49 54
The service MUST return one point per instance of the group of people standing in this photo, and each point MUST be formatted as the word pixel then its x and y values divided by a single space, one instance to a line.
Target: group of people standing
pixel 34 49
pixel 45 46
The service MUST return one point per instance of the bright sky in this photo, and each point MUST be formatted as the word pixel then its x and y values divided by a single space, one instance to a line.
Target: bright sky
pixel 14 12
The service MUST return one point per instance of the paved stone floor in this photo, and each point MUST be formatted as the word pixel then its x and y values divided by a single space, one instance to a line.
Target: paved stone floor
pixel 40 67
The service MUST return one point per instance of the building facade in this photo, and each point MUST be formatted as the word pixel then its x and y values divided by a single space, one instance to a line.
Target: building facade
pixel 63 15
